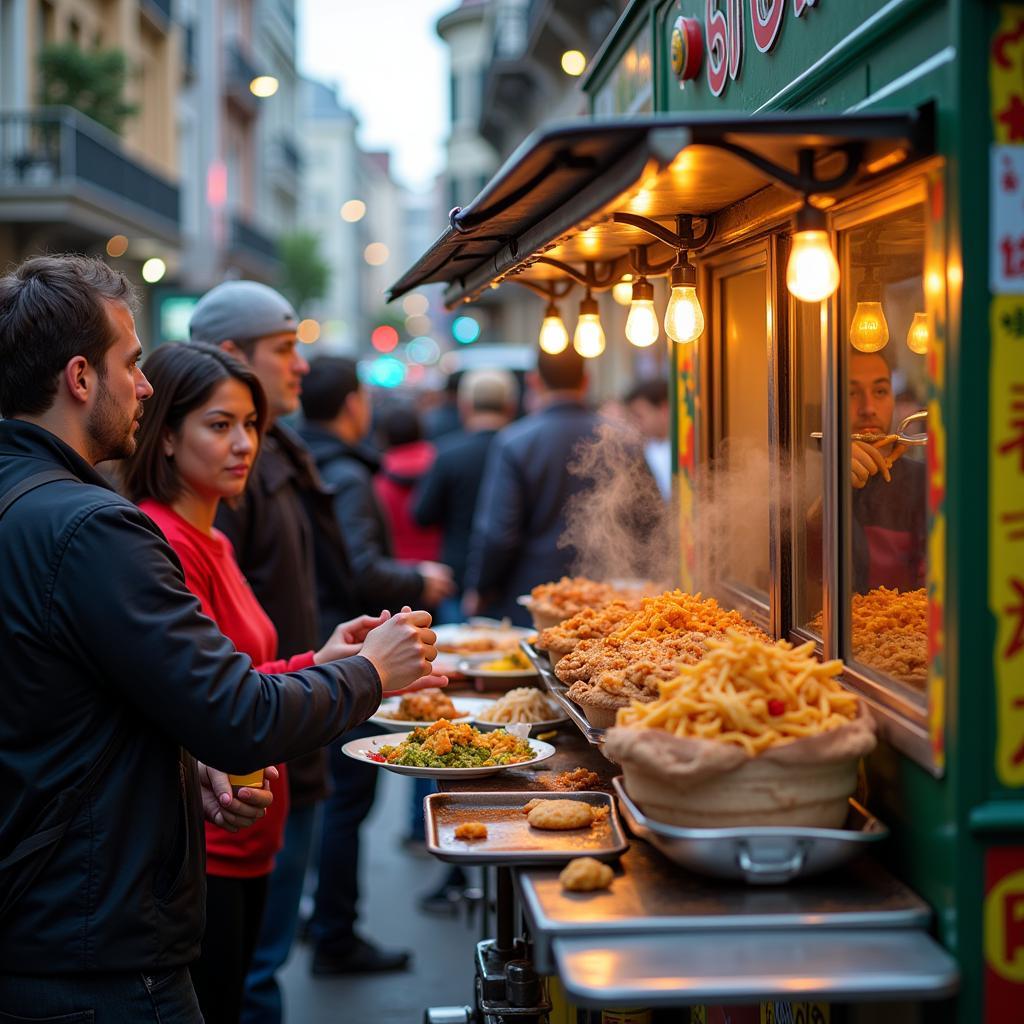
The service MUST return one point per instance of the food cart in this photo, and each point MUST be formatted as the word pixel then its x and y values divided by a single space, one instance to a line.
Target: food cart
pixel 803 183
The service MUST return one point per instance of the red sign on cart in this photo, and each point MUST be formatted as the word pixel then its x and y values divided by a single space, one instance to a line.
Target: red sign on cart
pixel 1004 933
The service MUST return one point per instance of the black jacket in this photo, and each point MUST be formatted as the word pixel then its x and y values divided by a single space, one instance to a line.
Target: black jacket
pixel 99 635
pixel 290 550
pixel 348 472
pixel 447 496
pixel 520 513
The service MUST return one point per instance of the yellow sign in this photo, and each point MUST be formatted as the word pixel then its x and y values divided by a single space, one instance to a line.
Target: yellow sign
pixel 1004 927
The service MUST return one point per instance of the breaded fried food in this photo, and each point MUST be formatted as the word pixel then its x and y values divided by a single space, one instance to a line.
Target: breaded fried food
pixel 571 594
pixel 561 815
pixel 577 779
pixel 425 706
pixel 471 830
pixel 584 874
pixel 588 624
pixel 535 802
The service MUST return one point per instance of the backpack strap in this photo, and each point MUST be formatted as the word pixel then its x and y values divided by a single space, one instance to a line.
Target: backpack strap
pixel 19 490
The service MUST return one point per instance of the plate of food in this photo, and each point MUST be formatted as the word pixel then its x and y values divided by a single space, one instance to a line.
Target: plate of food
pixel 448 750
pixel 476 640
pixel 512 665
pixel 424 707
pixel 524 704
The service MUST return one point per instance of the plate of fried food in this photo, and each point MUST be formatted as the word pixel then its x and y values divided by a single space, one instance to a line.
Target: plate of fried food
pixel 475 641
pixel 424 707
pixel 449 750
pixel 524 704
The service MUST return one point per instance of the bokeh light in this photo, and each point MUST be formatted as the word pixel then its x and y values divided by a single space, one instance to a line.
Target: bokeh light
pixel 376 254
pixel 416 325
pixel 117 246
pixel 263 86
pixel 308 331
pixel 574 63
pixel 153 270
pixel 352 211
pixel 386 372
pixel 415 304
pixel 465 330
pixel 384 338
pixel 423 350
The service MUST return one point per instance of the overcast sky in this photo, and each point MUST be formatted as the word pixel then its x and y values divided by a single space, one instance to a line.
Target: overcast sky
pixel 393 73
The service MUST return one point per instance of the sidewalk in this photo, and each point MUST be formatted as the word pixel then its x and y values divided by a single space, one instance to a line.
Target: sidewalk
pixel 442 971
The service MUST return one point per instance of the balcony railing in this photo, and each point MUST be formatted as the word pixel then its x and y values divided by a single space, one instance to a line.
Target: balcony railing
pixel 58 150
pixel 251 240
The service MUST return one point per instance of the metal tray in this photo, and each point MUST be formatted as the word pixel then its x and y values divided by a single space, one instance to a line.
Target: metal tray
pixel 556 689
pixel 510 838
pixel 756 855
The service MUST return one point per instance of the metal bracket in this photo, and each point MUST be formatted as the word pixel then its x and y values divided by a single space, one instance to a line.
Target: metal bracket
pixel 552 293
pixel 805 181
pixel 682 238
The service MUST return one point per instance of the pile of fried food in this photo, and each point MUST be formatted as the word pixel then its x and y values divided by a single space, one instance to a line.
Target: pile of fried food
pixel 751 693
pixel 612 656
pixel 890 633
pixel 572 594
pixel 429 705
pixel 457 745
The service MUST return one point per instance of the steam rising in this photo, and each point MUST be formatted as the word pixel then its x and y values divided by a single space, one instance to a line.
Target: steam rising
pixel 619 524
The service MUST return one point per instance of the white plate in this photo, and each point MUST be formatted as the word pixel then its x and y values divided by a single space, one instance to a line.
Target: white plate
pixel 451 632
pixel 470 668
pixel 358 749
pixel 535 727
pixel 471 706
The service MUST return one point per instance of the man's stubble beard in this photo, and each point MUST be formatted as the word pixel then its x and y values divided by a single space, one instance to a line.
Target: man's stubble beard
pixel 110 431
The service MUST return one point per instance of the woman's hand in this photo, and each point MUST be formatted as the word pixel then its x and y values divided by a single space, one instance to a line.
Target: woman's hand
pixel 228 811
pixel 348 637
pixel 401 650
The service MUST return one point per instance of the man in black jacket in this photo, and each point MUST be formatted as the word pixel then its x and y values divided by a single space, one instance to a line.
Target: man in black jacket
pixel 112 673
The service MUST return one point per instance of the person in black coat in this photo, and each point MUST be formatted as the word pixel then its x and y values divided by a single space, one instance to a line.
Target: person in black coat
pixel 520 513
pixel 447 497
pixel 115 682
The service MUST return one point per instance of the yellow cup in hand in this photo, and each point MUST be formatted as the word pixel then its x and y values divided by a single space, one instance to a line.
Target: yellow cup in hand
pixel 254 780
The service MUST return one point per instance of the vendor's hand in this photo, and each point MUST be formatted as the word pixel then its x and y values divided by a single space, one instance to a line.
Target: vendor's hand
pixel 225 809
pixel 865 461
pixel 401 649
pixel 348 637
pixel 438 582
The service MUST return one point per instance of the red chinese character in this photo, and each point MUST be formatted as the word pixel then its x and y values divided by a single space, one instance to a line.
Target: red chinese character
pixel 1012 251
pixel 1016 425
pixel 1016 644
pixel 1013 118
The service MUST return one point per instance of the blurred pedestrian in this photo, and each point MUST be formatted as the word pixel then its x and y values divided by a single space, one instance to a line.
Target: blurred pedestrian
pixel 406 460
pixel 117 681
pixel 520 513
pixel 448 494
pixel 336 409
pixel 291 551
pixel 648 408
pixel 443 418
pixel 196 447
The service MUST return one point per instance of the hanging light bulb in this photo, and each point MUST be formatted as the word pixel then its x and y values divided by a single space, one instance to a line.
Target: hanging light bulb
pixel 869 330
pixel 622 291
pixel 920 334
pixel 812 274
pixel 642 327
pixel 554 337
pixel 684 319
pixel 588 338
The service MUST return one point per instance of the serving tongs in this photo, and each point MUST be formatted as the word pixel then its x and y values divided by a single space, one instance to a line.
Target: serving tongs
pixel 900 437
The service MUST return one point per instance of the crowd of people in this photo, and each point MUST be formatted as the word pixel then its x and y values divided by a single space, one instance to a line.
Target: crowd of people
pixel 196 587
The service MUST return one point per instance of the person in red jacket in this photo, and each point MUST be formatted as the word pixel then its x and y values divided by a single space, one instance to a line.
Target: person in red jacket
pixel 195 449
pixel 407 459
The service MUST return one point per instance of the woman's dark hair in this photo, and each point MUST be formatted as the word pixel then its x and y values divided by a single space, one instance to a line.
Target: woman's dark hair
pixel 400 424
pixel 183 378
pixel 53 308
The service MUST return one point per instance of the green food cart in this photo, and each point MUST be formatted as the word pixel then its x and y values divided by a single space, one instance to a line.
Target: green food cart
pixel 828 197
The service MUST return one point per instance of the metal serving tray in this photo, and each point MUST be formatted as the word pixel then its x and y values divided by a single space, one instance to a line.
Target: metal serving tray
pixel 510 837
pixel 556 688
pixel 756 855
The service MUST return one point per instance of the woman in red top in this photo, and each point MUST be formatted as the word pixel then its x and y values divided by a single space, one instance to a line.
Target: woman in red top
pixel 196 446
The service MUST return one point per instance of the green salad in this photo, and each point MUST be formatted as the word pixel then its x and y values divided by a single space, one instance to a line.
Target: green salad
pixel 459 745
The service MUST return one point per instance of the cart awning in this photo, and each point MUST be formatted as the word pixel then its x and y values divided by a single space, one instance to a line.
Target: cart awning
pixel 557 193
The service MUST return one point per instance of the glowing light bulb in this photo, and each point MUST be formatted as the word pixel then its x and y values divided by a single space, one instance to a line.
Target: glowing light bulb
pixel 920 335
pixel 813 273
pixel 554 337
pixel 264 86
pixel 684 319
pixel 642 326
pixel 588 338
pixel 574 63
pixel 622 292
pixel 869 331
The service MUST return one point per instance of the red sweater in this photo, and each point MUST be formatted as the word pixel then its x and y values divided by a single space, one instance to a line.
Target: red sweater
pixel 212 574
pixel 402 469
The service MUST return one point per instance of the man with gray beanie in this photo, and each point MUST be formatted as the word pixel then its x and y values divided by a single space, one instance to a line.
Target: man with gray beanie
pixel 447 496
pixel 288 543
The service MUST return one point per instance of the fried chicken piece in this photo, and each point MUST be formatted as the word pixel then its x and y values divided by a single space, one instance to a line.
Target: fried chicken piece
pixel 529 806
pixel 584 874
pixel 471 830
pixel 570 595
pixel 588 624
pixel 425 706
pixel 577 779
pixel 561 815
